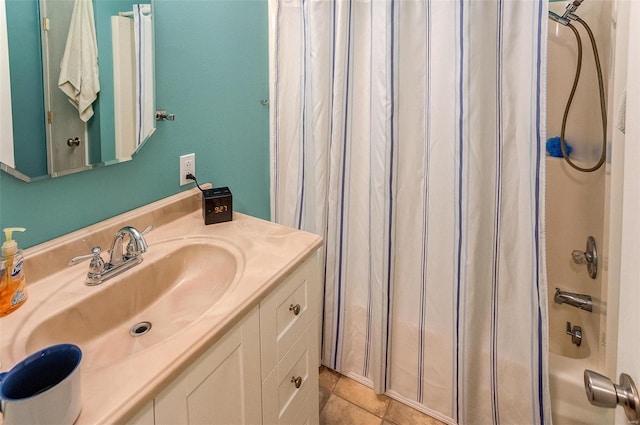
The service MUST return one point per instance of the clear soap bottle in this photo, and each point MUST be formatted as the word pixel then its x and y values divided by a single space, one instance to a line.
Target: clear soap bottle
pixel 13 284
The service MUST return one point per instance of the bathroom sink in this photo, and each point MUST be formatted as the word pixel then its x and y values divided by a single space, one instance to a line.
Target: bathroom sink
pixel 177 282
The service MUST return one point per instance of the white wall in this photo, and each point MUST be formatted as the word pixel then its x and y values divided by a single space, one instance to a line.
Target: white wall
pixel 626 148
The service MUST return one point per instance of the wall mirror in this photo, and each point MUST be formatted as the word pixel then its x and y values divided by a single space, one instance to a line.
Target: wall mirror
pixel 81 84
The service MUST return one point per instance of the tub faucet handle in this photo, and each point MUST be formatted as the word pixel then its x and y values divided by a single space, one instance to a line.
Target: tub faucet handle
pixel 589 257
pixel 576 334
pixel 579 257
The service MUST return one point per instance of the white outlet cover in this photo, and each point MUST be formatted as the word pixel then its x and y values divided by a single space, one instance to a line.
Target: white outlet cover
pixel 187 165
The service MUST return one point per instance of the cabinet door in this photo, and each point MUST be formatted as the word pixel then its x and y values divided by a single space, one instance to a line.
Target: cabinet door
pixel 222 387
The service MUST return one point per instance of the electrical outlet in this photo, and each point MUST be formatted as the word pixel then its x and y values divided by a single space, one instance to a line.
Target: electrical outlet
pixel 187 166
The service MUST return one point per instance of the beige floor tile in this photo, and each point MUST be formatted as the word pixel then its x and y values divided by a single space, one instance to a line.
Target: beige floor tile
pixel 328 378
pixel 362 396
pixel 340 412
pixel 401 414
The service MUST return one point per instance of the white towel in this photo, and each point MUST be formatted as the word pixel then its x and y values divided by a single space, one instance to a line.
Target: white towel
pixel 79 65
pixel 621 117
pixel 143 35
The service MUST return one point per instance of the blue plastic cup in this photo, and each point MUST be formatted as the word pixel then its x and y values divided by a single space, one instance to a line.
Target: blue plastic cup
pixel 43 388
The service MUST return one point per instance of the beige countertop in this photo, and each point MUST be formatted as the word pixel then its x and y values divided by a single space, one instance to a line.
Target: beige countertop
pixel 115 391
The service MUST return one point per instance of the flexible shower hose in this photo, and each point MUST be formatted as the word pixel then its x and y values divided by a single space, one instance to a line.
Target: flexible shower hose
pixel 603 108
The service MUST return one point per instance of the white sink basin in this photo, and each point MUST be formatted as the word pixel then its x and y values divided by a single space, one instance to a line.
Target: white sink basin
pixel 177 282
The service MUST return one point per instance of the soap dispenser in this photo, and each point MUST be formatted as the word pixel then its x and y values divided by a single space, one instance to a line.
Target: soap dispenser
pixel 13 284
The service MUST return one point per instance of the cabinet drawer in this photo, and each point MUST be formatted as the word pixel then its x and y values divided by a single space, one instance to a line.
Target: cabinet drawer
pixel 283 401
pixel 285 314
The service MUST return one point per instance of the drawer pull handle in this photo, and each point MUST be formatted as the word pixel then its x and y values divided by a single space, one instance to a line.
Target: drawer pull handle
pixel 295 309
pixel 296 381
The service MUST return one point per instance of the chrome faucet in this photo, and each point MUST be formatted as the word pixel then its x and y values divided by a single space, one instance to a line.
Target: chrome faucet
pixel 120 259
pixel 136 246
pixel 581 301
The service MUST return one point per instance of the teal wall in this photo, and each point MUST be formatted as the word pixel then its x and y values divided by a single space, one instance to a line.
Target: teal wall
pixel 27 86
pixel 212 72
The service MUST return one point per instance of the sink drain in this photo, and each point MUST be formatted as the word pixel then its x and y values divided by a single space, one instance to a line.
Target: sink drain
pixel 140 328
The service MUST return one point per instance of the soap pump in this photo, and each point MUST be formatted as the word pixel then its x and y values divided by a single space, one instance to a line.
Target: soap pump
pixel 13 284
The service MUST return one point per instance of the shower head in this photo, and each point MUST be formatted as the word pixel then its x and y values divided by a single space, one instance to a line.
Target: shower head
pixel 572 7
pixel 568 15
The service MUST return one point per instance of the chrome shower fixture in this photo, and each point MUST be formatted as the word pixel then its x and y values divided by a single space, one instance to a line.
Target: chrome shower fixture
pixel 581 301
pixel 566 18
pixel 569 13
pixel 588 257
pixel 576 334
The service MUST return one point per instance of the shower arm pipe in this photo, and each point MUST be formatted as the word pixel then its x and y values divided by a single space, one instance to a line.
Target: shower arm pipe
pixel 603 110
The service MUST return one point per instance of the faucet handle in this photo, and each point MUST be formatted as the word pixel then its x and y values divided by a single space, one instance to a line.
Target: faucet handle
pixel 80 258
pixel 97 263
pixel 588 257
pixel 579 257
pixel 576 334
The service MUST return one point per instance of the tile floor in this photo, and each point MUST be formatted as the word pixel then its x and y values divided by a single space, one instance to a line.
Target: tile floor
pixel 344 401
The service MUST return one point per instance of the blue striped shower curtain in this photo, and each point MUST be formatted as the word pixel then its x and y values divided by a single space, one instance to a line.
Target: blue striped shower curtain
pixel 409 134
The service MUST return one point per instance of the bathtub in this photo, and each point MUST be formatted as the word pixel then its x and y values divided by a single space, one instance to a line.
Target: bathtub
pixel 569 405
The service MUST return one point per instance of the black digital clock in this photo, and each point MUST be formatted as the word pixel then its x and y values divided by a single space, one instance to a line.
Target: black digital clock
pixel 217 205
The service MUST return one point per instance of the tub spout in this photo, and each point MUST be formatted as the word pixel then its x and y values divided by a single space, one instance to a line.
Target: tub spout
pixel 580 301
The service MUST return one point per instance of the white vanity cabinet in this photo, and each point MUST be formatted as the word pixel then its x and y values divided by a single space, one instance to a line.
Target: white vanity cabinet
pixel 222 386
pixel 263 371
pixel 289 341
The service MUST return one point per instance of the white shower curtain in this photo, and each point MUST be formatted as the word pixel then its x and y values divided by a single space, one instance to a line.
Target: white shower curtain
pixel 409 134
